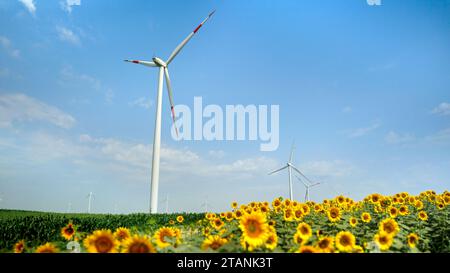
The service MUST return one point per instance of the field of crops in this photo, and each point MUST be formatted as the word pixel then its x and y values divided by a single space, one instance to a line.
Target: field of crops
pixel 398 223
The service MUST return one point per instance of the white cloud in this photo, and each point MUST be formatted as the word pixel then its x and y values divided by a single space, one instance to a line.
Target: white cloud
pixel 333 168
pixel 396 138
pixel 67 35
pixel 442 109
pixel 142 102
pixel 359 132
pixel 442 136
pixel 216 153
pixel 8 47
pixel 20 107
pixel 68 4
pixel 29 5
pixel 347 109
pixel 67 74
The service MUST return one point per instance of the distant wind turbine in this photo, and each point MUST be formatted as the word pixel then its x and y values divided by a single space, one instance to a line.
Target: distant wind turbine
pixel 206 205
pixel 289 167
pixel 90 196
pixel 163 71
pixel 307 187
pixel 166 201
pixel 69 208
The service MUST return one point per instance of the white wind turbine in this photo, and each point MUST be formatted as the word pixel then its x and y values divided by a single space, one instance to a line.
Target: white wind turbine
pixel 206 205
pixel 90 196
pixel 290 167
pixel 166 201
pixel 163 70
pixel 307 187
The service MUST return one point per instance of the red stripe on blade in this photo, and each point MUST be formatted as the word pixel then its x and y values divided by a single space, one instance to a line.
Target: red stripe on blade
pixel 199 26
pixel 136 62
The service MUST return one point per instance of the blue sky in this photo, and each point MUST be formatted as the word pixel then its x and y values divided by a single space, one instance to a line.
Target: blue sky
pixel 364 91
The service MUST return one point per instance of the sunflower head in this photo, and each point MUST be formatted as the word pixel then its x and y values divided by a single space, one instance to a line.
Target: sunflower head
pixel 272 240
pixel 288 215
pixel 393 211
pixel 325 244
pixel 19 247
pixel 255 229
pixel 166 236
pixel 423 215
pixel 304 230
pixel 217 223
pixel 353 221
pixel 138 244
pixel 121 234
pixel 345 241
pixel 403 210
pixel 389 226
pixel 101 241
pixel 307 249
pixel 47 248
pixel 68 231
pixel 365 217
pixel 213 242
pixel 383 240
pixel 334 214
pixel 412 240
pixel 234 205
pixel 180 219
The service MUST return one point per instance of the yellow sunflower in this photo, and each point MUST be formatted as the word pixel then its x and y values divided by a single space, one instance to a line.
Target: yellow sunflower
pixel 365 217
pixel 122 234
pixel 238 214
pixel 299 239
pixel 383 240
pixel 298 214
pixel 272 240
pixel 307 249
pixel 101 241
pixel 229 216
pixel 47 248
pixel 334 214
pixel 234 205
pixel 180 219
pixel 345 241
pixel 138 244
pixel 403 210
pixel 68 231
pixel 255 229
pixel 423 215
pixel 412 240
pixel 19 247
pixel 171 222
pixel 353 221
pixel 217 223
pixel 389 226
pixel 304 230
pixel 165 236
pixel 213 242
pixel 288 215
pixel 418 204
pixel 325 244
pixel 393 211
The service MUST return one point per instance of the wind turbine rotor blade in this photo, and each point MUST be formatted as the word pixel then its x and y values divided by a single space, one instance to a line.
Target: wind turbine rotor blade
pixel 297 170
pixel 186 40
pixel 169 90
pixel 292 152
pixel 149 64
pixel 301 180
pixel 280 169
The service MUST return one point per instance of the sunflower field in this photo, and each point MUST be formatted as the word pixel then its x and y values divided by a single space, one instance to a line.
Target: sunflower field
pixel 399 223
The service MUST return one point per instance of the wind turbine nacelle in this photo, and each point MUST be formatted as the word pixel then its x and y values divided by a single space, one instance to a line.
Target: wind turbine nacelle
pixel 159 62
